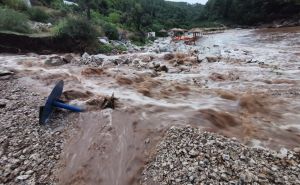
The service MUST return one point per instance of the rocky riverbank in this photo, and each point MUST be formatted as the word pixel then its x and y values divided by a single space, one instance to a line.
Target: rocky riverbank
pixel 29 152
pixel 190 156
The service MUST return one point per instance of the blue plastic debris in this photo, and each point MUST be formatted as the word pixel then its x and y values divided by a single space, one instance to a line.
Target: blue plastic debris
pixel 54 101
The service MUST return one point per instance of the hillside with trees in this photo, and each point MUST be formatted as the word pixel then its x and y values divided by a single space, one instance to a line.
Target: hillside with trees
pixel 249 12
pixel 85 20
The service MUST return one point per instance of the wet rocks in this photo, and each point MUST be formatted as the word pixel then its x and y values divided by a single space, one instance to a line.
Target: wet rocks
pixel 4 72
pixel 207 58
pixel 55 61
pixel 217 77
pixel 68 58
pixel 169 56
pixel 189 156
pixel 100 60
pixel 3 103
pixel 223 77
pixel 90 60
pixel 160 68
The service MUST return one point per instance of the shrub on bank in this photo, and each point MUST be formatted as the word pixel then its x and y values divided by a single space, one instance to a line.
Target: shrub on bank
pixel 104 48
pixel 108 48
pixel 110 31
pixel 37 14
pixel 11 20
pixel 138 39
pixel 76 28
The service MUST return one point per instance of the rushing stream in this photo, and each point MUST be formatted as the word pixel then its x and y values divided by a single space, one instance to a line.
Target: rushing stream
pixel 251 93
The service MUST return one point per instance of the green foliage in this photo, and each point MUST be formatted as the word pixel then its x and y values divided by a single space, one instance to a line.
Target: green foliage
pixel 11 20
pixel 249 12
pixel 107 48
pixel 114 17
pixel 88 5
pixel 77 28
pixel 110 31
pixel 120 48
pixel 57 4
pixel 104 48
pixel 138 39
pixel 15 4
pixel 37 14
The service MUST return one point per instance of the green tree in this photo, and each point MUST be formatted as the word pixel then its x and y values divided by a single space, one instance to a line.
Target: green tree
pixel 88 5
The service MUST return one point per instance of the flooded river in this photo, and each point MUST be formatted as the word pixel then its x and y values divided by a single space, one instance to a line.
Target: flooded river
pixel 246 86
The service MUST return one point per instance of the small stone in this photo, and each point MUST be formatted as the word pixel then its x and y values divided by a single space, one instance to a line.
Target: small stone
pixel 147 140
pixel 23 177
pixel 242 157
pixel 3 103
pixel 193 153
pixel 177 180
pixel 252 161
pixel 282 153
pixel 226 157
pixel 29 172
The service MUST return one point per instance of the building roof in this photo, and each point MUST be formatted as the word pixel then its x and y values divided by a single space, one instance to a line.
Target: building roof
pixel 178 30
pixel 196 30
pixel 162 30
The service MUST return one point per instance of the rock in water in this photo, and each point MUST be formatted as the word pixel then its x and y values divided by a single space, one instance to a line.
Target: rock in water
pixel 55 61
pixel 69 58
pixel 5 72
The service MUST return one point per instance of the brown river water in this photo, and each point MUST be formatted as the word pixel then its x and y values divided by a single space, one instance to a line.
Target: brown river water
pixel 249 91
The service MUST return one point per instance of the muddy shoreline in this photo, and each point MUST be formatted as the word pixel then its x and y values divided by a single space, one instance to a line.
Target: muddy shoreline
pixel 22 44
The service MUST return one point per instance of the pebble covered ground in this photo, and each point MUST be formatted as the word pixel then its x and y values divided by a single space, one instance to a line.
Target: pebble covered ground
pixel 29 152
pixel 189 156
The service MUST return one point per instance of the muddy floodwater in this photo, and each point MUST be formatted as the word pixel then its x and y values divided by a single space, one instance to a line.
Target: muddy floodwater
pixel 240 83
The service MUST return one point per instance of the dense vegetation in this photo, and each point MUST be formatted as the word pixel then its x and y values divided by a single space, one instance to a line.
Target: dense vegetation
pixel 116 19
pixel 249 12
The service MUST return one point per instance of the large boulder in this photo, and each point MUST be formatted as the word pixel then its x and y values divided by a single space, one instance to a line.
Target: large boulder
pixel 68 58
pixel 55 61
pixel 163 48
pixel 100 60
pixel 91 60
pixel 4 72
pixel 104 40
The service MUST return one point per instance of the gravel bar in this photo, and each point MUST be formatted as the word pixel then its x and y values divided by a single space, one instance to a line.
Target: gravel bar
pixel 29 152
pixel 189 156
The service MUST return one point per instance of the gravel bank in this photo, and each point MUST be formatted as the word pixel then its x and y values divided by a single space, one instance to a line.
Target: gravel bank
pixel 189 156
pixel 29 152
